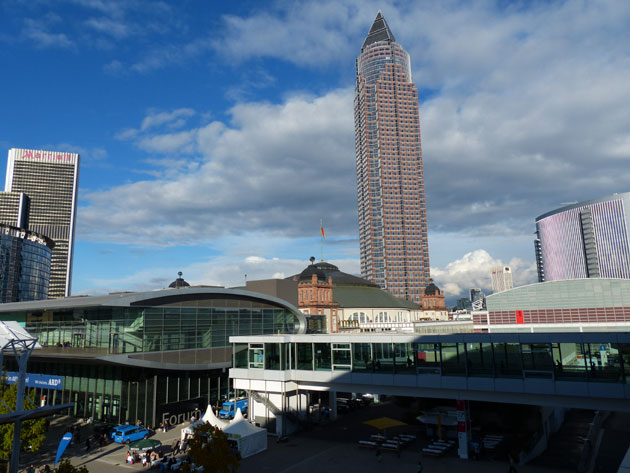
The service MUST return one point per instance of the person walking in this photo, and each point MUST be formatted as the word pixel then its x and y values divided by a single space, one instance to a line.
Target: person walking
pixel 87 444
pixel 379 455
pixel 419 469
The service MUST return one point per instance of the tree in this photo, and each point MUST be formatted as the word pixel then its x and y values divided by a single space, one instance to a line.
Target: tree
pixel 209 448
pixel 33 432
pixel 66 467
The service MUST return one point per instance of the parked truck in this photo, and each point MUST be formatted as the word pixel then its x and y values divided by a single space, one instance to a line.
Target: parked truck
pixel 228 409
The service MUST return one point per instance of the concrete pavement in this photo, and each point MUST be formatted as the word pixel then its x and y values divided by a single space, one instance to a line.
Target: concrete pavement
pixel 330 448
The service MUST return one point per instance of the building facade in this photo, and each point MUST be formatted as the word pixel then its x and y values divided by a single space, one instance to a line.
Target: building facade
pixel 315 298
pixel 586 304
pixel 350 303
pixel 501 278
pixel 130 356
pixel 390 183
pixel 24 265
pixel 14 209
pixel 50 182
pixel 589 239
pixel 477 298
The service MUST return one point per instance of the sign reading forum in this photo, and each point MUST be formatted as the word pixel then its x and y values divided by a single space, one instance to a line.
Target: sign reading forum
pixel 37 380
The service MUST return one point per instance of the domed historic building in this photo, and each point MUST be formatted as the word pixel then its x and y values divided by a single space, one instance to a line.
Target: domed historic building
pixel 433 298
pixel 333 300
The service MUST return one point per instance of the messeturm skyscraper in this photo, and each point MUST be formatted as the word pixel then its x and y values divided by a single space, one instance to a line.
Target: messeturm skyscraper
pixel 392 211
pixel 41 196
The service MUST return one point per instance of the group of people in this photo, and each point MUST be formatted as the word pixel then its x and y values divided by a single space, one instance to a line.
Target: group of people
pixel 45 469
pixel 147 458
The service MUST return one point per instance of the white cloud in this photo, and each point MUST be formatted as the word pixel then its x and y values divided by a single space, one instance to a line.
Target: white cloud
pixel 156 119
pixel 116 29
pixel 37 32
pixel 473 270
pixel 274 168
pixel 227 271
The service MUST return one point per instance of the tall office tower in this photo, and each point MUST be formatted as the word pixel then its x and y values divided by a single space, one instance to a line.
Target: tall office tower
pixel 50 181
pixel 392 215
pixel 589 239
pixel 501 278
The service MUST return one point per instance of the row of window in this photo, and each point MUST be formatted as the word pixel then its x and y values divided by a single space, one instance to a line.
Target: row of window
pixel 598 362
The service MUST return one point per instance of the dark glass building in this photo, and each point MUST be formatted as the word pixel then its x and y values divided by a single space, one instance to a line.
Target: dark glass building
pixel 130 356
pixel 24 265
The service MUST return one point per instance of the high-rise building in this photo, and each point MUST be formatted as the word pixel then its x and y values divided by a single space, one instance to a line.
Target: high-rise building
pixel 392 212
pixel 24 265
pixel 41 195
pixel 477 298
pixel 501 278
pixel 589 239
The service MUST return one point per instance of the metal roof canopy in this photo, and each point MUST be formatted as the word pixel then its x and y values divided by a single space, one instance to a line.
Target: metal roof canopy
pixel 16 341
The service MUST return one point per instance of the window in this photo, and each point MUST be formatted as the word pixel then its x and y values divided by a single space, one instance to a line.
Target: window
pixel 341 357
pixel 305 356
pixel 256 355
pixel 322 356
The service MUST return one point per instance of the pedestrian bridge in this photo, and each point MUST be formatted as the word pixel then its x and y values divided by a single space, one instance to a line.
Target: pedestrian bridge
pixel 569 369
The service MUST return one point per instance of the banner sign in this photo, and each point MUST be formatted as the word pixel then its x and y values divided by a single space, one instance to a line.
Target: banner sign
pixel 65 441
pixel 37 380
pixel 178 412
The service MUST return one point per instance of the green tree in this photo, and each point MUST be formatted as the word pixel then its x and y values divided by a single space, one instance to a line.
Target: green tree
pixel 66 467
pixel 209 448
pixel 33 431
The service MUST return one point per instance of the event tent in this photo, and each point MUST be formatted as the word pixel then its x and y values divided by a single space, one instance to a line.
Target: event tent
pixel 209 418
pixel 250 439
pixel 213 420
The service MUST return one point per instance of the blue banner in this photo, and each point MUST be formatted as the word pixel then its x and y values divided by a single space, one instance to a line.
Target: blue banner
pixel 65 441
pixel 37 380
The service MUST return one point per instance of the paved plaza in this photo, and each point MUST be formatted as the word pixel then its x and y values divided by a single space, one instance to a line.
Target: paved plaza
pixel 330 448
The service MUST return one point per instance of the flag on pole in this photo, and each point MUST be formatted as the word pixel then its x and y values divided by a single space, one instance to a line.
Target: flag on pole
pixel 321 228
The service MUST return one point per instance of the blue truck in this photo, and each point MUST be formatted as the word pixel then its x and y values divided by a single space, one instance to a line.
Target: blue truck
pixel 228 409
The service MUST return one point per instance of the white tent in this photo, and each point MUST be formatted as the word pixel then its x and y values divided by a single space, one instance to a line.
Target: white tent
pixel 250 439
pixel 209 418
pixel 213 420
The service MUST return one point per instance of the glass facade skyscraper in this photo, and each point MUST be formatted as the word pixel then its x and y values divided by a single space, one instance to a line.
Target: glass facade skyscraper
pixel 589 239
pixel 50 181
pixel 390 182
pixel 24 265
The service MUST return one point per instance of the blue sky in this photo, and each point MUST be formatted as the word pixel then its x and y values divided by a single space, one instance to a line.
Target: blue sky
pixel 214 136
